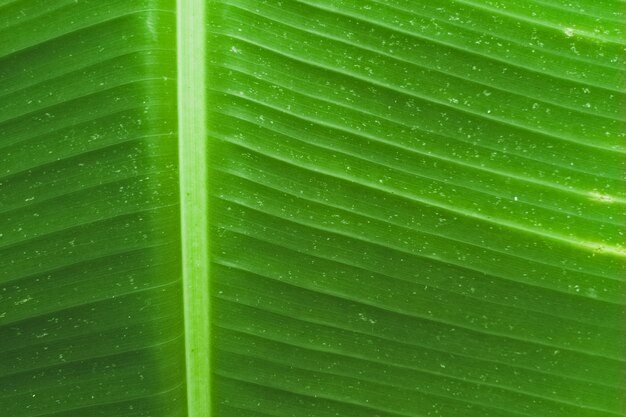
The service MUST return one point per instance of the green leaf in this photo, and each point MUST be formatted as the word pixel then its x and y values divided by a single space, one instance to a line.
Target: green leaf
pixel 312 208
pixel 90 292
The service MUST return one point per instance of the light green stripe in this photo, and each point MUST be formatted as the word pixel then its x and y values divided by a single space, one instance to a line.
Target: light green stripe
pixel 194 203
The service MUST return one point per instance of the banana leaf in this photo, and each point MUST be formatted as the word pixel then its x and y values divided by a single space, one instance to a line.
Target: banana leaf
pixel 312 208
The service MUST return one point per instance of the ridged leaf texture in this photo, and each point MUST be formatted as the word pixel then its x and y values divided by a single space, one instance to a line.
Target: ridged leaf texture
pixel 406 208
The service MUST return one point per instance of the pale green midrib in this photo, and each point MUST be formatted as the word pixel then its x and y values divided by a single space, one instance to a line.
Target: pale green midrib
pixel 194 202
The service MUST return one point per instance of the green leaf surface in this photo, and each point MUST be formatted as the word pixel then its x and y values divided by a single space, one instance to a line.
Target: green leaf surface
pixel 245 208
pixel 90 294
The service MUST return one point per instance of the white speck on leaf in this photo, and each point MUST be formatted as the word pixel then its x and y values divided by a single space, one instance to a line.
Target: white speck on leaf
pixel 603 198
pixel 23 300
